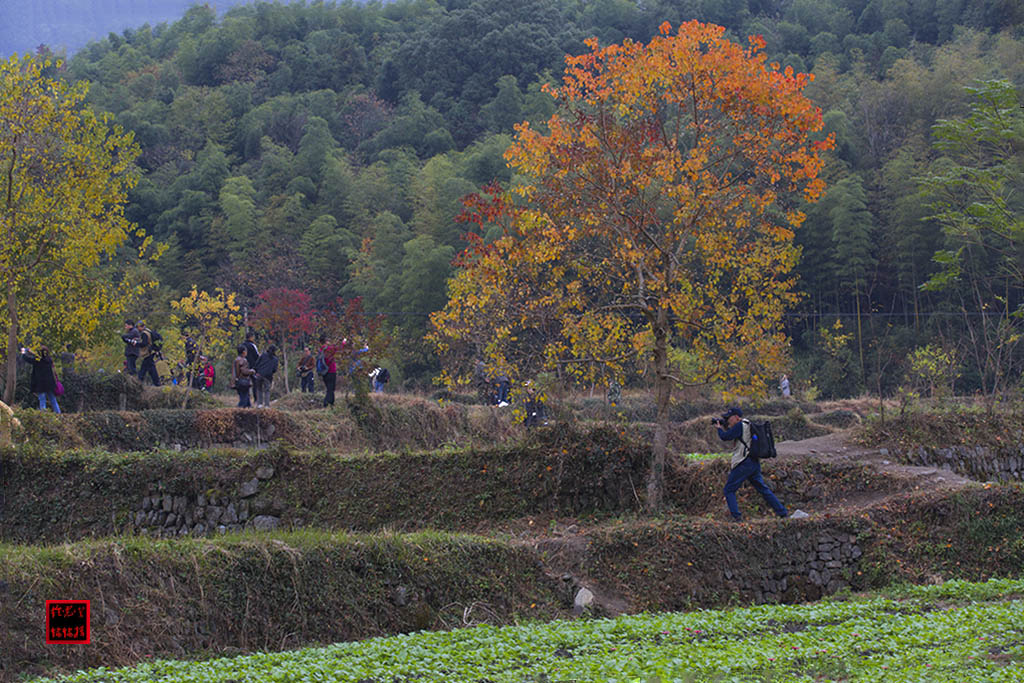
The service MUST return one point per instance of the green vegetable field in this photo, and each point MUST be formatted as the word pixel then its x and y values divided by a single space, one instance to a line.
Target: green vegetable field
pixel 957 631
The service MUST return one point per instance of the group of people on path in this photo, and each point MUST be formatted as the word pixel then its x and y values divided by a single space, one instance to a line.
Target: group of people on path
pixel 143 351
pixel 495 389
pixel 253 372
pixel 491 386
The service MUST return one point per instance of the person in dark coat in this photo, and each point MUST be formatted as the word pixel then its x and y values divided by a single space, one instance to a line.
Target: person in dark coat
pixel 252 355
pixel 44 379
pixel 328 352
pixel 149 353
pixel 503 386
pixel 190 351
pixel 306 367
pixel 733 427
pixel 131 346
pixel 265 368
pixel 241 377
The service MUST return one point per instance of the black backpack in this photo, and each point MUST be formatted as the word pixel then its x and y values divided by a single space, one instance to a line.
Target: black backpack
pixel 383 376
pixel 762 442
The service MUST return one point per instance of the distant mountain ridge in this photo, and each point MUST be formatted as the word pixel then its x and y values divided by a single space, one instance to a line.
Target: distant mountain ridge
pixel 70 24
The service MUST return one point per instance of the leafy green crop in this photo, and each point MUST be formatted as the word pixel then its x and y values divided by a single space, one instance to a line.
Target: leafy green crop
pixel 706 456
pixel 954 632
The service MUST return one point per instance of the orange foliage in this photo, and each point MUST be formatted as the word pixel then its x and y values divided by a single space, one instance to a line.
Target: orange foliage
pixel 656 214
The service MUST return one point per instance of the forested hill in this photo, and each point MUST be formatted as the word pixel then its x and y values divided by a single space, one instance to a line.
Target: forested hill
pixel 326 147
pixel 69 24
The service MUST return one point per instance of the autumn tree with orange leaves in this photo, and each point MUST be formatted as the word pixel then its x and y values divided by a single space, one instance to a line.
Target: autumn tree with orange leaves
pixel 655 219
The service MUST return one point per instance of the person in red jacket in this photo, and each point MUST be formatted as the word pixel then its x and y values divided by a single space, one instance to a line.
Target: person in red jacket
pixel 209 374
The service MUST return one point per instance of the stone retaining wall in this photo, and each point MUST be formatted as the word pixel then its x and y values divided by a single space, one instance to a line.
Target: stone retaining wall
pixel 977 462
pixel 819 567
pixel 164 515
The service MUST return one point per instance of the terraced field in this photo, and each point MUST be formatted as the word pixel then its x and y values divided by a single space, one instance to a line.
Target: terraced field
pixel 520 558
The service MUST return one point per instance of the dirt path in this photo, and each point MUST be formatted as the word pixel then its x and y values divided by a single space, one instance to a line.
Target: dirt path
pixel 838 448
pixel 563 543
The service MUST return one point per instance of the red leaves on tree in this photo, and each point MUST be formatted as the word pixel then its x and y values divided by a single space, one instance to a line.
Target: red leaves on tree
pixel 283 314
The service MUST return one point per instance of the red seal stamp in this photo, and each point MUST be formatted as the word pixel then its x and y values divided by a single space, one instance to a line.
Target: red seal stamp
pixel 67 622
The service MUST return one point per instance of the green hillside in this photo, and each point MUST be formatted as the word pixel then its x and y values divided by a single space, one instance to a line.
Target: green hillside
pixel 326 147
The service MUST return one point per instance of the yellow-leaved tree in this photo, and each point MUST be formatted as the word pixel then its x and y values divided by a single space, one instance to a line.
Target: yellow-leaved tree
pixel 655 214
pixel 64 178
pixel 211 320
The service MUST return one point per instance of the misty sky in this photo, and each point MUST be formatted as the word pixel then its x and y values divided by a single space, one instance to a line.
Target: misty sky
pixel 70 24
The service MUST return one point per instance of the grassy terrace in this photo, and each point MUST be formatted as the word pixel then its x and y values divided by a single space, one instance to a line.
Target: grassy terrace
pixel 957 631
pixel 429 537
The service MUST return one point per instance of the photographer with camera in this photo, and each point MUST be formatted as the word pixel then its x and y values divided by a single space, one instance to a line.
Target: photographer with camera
pixel 149 345
pixel 131 346
pixel 732 427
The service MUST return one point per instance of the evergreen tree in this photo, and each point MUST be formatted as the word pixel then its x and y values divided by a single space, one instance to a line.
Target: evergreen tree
pixel 506 109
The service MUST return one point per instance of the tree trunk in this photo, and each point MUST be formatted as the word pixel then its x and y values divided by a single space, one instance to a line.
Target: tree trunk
pixel 190 371
pixel 284 359
pixel 881 402
pixel 662 397
pixel 12 308
pixel 12 345
pixel 917 305
pixel 860 337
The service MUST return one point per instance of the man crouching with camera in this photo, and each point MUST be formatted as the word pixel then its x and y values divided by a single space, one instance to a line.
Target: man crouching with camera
pixel 732 427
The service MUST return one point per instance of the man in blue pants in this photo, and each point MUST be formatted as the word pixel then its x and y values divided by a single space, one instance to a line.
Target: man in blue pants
pixel 732 427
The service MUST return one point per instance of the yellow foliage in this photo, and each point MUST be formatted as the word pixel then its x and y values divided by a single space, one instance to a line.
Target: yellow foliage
pixel 64 178
pixel 210 319
pixel 834 340
pixel 933 368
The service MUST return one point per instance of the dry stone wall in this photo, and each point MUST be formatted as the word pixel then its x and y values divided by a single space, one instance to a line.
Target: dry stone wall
pixel 977 462
pixel 163 515
pixel 819 566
